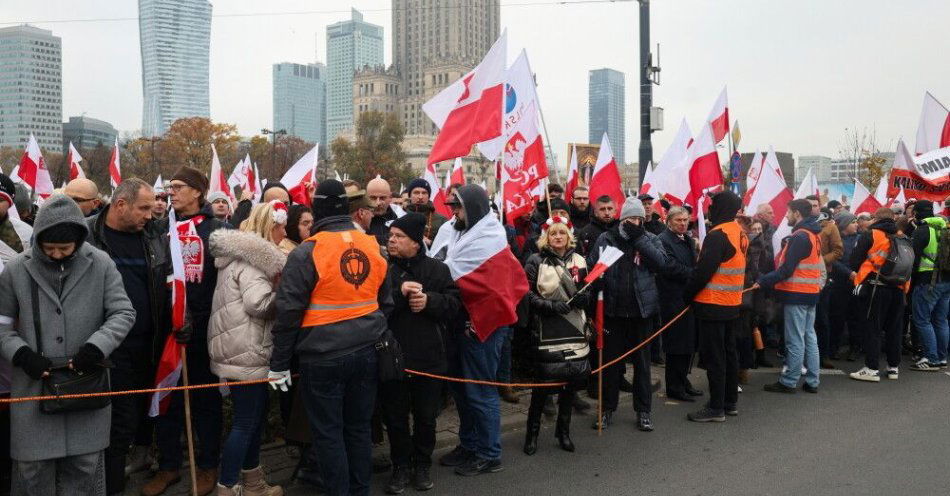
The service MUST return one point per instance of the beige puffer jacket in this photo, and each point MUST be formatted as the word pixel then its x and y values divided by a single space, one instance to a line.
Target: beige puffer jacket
pixel 243 309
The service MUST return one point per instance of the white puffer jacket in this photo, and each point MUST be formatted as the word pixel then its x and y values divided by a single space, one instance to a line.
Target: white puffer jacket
pixel 243 309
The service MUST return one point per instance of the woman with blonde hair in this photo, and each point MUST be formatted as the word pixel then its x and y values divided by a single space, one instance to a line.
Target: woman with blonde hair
pixel 559 344
pixel 239 338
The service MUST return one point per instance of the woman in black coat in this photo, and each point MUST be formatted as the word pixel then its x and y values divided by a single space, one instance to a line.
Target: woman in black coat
pixel 679 341
pixel 559 344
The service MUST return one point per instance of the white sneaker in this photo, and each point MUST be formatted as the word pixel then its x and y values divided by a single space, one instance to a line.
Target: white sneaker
pixel 924 365
pixel 138 460
pixel 739 388
pixel 866 374
pixel 892 373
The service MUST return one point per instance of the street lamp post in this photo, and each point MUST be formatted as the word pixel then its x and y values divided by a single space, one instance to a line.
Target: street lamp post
pixel 153 140
pixel 273 150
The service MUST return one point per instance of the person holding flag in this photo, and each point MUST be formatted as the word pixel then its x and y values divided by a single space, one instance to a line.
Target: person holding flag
pixel 631 300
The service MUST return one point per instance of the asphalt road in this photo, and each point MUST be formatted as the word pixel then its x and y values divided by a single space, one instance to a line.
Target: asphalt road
pixel 852 438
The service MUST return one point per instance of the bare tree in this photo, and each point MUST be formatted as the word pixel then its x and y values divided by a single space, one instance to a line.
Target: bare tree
pixel 860 148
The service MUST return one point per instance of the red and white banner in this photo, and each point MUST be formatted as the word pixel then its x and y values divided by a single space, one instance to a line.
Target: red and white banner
pixel 771 189
pixel 719 117
pixel 489 276
pixel 904 175
pixel 863 200
pixel 608 256
pixel 705 174
pixel 605 179
pixel 169 365
pixel 115 168
pixel 302 175
pixel 672 169
pixel 216 180
pixel 73 158
pixel 33 171
pixel 469 111
pixel 245 176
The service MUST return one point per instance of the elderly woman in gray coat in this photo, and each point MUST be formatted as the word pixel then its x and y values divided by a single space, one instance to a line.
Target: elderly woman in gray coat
pixel 85 314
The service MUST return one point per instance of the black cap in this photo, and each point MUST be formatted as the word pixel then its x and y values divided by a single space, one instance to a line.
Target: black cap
pixel 329 199
pixel 413 224
pixel 559 204
pixel 645 196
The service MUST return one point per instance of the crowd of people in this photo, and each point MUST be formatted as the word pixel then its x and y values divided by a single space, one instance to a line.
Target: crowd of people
pixel 311 299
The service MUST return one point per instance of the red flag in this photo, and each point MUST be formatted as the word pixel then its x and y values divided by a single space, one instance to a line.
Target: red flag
pixel 607 257
pixel 605 179
pixel 599 320
pixel 458 172
pixel 719 117
pixel 437 194
pixel 33 171
pixel 770 189
pixel 301 175
pixel 73 159
pixel 705 175
pixel 863 200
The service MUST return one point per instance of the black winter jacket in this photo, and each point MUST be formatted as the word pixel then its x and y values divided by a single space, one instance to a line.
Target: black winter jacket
pixel 420 334
pixel 587 237
pixel 379 226
pixel 680 338
pixel 629 285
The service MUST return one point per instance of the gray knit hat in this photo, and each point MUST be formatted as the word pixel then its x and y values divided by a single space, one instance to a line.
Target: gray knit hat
pixel 843 219
pixel 632 207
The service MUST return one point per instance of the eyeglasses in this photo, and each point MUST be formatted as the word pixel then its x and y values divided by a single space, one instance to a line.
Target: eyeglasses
pixel 177 187
pixel 82 200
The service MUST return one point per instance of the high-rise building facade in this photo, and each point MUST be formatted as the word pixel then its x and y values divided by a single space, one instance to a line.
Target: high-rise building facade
pixel 351 45
pixel 605 109
pixel 175 38
pixel 31 94
pixel 820 166
pixel 300 100
pixel 86 132
pixel 434 44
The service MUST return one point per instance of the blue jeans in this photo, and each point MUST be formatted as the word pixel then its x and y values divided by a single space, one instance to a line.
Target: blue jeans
pixel 339 396
pixel 478 406
pixel 930 308
pixel 242 448
pixel 504 366
pixel 801 344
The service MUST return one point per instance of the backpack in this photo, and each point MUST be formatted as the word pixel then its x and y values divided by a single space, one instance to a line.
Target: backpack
pixel 899 264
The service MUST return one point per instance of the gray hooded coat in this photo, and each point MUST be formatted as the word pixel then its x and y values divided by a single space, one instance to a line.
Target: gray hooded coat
pixel 81 300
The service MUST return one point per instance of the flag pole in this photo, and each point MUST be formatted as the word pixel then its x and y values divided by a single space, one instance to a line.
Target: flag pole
pixel 189 434
pixel 599 318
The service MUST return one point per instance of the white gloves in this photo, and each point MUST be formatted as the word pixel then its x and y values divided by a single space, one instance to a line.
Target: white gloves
pixel 279 380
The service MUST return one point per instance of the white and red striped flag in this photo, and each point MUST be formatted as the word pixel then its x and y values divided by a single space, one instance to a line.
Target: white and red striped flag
pixel 469 111
pixel 169 365
pixel 880 193
pixel 115 168
pixel 458 172
pixel 73 158
pixel 808 186
pixel 771 189
pixel 719 117
pixel 32 170
pixel 436 193
pixel 216 179
pixel 608 256
pixel 159 183
pixel 572 174
pixel 301 175
pixel 863 200
pixel 672 169
pixel 705 174
pixel 752 176
pixel 933 129
pixel 605 179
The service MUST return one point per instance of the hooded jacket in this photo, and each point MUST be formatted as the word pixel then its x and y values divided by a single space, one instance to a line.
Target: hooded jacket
pixel 799 246
pixel 716 250
pixel 80 300
pixel 243 309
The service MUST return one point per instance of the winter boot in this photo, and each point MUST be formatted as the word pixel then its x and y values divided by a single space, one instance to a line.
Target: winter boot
pixel 255 485
pixel 562 430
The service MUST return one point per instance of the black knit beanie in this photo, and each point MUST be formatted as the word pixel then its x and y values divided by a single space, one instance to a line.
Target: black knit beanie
pixel 329 200
pixel 413 224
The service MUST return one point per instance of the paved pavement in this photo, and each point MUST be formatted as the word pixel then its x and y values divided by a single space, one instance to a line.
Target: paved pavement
pixel 851 438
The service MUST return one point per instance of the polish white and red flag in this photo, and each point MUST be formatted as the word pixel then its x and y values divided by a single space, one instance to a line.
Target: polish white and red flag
pixel 115 167
pixel 808 186
pixel 302 176
pixel 771 189
pixel 605 180
pixel 458 172
pixel 673 168
pixel 863 200
pixel 932 152
pixel 608 256
pixel 900 199
pixel 437 193
pixel 217 181
pixel 469 111
pixel 572 174
pixel 170 363
pixel 159 183
pixel 244 176
pixel 490 278
pixel 647 185
pixel 719 117
pixel 752 176
pixel 705 174
pixel 73 158
pixel 880 193
pixel 33 171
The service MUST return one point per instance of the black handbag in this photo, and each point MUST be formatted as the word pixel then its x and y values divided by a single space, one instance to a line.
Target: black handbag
pixel 391 364
pixel 64 381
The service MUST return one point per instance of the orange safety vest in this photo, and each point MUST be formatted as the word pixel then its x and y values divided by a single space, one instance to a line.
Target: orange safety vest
pixel 350 271
pixel 877 255
pixel 725 286
pixel 807 275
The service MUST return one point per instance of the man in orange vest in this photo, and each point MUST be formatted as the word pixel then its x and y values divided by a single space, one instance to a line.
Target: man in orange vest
pixel 797 281
pixel 332 304
pixel 882 304
pixel 715 291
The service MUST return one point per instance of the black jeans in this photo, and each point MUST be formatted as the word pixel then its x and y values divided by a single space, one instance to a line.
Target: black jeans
pixel 205 413
pixel 745 345
pixel 565 405
pixel 885 317
pixel 677 373
pixel 843 315
pixel 823 323
pixel 421 397
pixel 620 335
pixel 339 395
pixel 717 347
pixel 131 369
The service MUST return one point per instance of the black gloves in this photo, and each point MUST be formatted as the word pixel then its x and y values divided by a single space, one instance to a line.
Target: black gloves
pixel 580 301
pixel 88 358
pixel 633 231
pixel 561 307
pixel 183 336
pixel 31 362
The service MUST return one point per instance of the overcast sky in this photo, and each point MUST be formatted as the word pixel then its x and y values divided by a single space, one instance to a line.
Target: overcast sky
pixel 798 72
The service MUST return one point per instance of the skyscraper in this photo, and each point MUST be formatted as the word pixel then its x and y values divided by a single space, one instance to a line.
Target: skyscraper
pixel 605 109
pixel 32 61
pixel 86 132
pixel 300 100
pixel 175 37
pixel 350 46
pixel 434 45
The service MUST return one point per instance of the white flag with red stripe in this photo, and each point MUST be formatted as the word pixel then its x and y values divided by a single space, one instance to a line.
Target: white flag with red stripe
pixel 705 174
pixel 458 172
pixel 572 174
pixel 301 175
pixel 771 160
pixel 115 168
pixel 436 193
pixel 217 181
pixel 770 189
pixel 880 193
pixel 863 200
pixel 33 171
pixel 608 256
pixel 646 186
pixel 169 365
pixel 808 186
pixel 244 176
pixel 73 158
pixel 719 117
pixel 752 177
pixel 605 179
pixel 469 111
pixel 159 184
pixel 672 169
pixel 933 129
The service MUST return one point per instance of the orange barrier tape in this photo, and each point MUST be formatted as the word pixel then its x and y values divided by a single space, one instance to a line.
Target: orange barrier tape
pixel 132 391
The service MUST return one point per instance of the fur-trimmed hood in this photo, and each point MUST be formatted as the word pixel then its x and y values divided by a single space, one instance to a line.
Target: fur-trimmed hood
pixel 228 245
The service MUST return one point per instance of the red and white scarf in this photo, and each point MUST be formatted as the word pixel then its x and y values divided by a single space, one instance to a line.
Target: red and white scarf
pixel 192 248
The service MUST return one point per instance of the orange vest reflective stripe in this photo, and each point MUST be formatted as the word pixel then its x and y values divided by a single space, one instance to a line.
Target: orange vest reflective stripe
pixel 725 286
pixel 807 275
pixel 350 271
pixel 877 255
